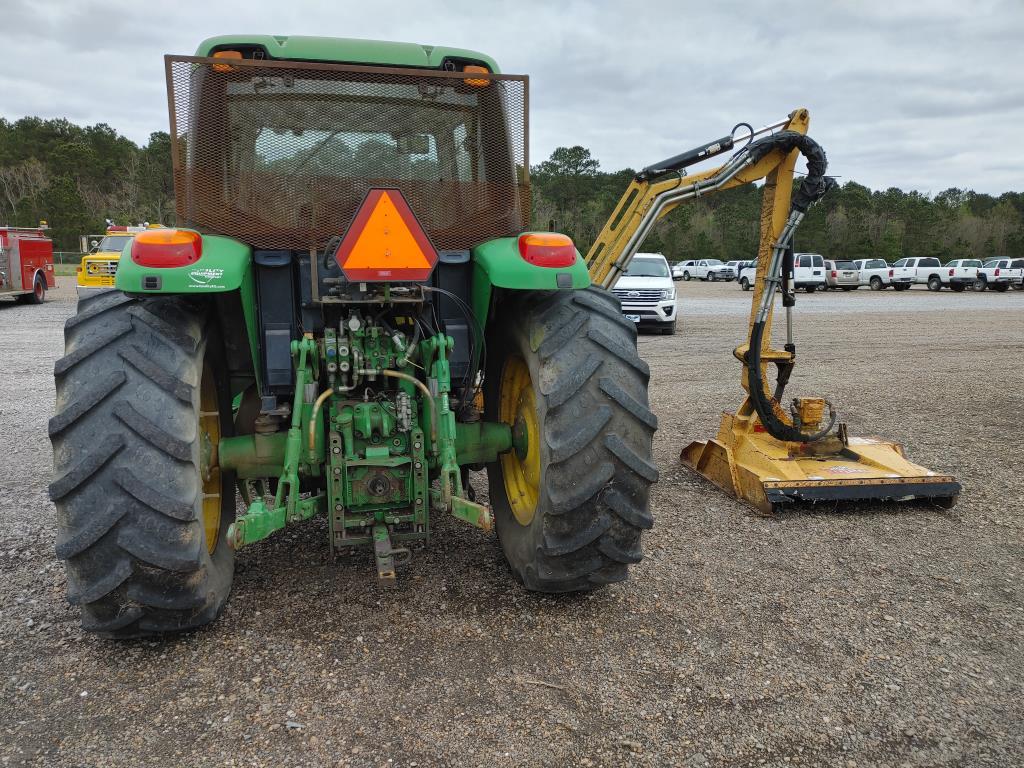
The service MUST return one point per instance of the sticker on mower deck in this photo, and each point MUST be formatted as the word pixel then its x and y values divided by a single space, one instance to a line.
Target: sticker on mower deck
pixel 844 470
pixel 207 277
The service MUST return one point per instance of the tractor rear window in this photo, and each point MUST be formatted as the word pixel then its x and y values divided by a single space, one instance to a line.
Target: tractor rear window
pixel 281 156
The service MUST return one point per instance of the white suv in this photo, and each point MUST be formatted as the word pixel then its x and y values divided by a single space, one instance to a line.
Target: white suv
pixel 647 294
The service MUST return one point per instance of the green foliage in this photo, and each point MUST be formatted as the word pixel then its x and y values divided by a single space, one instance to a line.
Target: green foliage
pixel 77 177
pixel 852 222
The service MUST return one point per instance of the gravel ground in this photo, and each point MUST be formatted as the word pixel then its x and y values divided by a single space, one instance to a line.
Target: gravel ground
pixel 874 635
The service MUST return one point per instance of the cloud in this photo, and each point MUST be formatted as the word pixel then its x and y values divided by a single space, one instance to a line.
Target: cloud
pixel 923 95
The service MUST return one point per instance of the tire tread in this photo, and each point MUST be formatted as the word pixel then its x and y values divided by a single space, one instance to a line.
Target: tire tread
pixel 126 484
pixel 597 429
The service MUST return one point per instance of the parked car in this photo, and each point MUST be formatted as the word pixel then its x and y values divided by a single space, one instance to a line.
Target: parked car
pixel 748 275
pixel 809 272
pixel 647 294
pixel 1018 285
pixel 927 271
pixel 902 275
pixel 999 274
pixel 739 266
pixel 678 268
pixel 875 273
pixel 960 273
pixel 736 267
pixel 842 274
pixel 706 269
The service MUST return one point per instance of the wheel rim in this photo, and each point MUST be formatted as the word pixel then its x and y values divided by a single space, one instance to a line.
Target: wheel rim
pixel 518 407
pixel 209 469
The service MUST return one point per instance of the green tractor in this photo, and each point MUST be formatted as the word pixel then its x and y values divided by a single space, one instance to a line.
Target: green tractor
pixel 351 315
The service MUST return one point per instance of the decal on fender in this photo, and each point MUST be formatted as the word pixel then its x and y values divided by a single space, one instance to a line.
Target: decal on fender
pixel 206 277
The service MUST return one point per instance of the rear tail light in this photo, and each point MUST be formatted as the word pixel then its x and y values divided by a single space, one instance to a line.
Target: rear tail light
pixel 164 248
pixel 997 272
pixel 890 273
pixel 951 272
pixel 547 249
pixel 833 273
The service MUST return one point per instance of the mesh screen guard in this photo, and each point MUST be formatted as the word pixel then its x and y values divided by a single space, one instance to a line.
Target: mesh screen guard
pixel 280 154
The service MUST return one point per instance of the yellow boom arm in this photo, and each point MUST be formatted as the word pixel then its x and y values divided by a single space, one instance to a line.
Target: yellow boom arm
pixel 646 201
pixel 762 454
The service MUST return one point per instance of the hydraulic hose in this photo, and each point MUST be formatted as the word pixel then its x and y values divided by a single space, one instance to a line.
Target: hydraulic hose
pixel 812 188
pixel 313 417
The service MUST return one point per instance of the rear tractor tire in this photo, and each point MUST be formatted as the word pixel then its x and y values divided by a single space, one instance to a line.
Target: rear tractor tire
pixel 142 509
pixel 570 509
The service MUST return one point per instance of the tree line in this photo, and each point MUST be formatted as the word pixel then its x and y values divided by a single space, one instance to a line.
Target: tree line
pixel 851 222
pixel 76 177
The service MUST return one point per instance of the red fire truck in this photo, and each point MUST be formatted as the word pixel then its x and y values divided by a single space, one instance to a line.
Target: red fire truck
pixel 26 263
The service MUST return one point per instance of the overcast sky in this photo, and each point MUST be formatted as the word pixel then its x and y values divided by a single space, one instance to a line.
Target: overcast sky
pixel 920 95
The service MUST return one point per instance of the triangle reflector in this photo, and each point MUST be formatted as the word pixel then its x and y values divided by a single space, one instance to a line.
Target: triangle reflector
pixel 385 242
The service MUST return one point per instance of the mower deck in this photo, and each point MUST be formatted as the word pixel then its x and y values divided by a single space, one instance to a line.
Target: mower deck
pixel 755 467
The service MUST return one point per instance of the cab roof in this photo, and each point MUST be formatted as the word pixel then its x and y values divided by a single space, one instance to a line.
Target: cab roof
pixel 348 50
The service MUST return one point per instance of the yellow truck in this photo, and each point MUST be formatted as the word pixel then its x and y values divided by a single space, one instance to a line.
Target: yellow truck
pixel 99 268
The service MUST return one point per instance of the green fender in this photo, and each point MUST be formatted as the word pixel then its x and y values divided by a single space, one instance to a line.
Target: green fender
pixel 497 264
pixel 225 265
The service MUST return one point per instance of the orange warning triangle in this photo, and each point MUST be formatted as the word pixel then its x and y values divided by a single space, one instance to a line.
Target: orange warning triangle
pixel 386 242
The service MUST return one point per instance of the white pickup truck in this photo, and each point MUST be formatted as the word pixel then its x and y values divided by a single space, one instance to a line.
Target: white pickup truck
pixel 704 269
pixel 902 275
pixel 874 272
pixel 960 273
pixel 999 274
pixel 925 270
